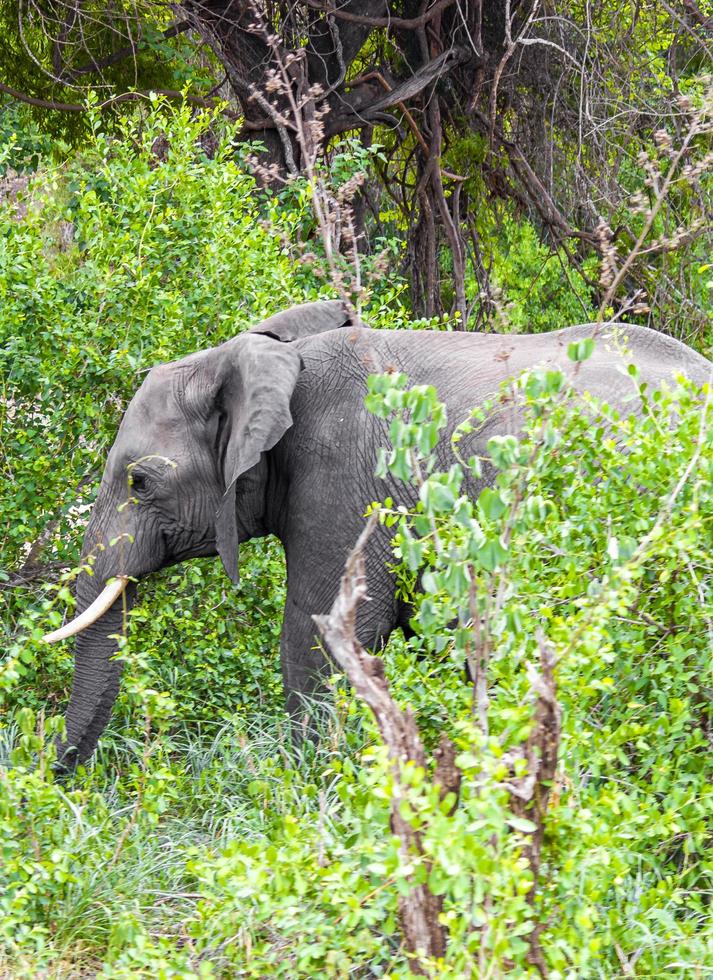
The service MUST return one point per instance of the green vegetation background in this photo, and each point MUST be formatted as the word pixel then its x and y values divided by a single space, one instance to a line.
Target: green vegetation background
pixel 196 843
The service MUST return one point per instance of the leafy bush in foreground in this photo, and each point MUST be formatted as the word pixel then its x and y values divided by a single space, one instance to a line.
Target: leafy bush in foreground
pixel 594 541
pixel 142 250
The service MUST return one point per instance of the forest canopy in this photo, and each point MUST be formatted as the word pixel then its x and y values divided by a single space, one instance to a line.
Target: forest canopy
pixel 481 112
pixel 172 176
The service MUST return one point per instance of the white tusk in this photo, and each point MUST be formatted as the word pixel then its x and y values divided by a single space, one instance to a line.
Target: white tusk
pixel 105 600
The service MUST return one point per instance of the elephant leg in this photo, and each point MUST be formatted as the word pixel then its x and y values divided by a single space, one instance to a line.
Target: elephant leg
pixel 305 666
pixel 406 612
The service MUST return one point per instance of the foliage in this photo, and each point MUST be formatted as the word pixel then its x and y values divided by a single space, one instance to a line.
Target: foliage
pixel 665 219
pixel 199 842
pixel 594 540
pixel 531 287
pixel 541 111
pixel 141 249
pixel 52 58
pixel 25 145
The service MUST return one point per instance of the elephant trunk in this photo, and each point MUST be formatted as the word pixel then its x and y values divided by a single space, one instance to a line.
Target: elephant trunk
pixel 96 674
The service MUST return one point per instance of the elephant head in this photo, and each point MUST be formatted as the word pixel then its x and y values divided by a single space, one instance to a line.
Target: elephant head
pixel 168 492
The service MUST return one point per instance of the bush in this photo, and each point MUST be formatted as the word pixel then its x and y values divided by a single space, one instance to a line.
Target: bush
pixel 594 543
pixel 141 249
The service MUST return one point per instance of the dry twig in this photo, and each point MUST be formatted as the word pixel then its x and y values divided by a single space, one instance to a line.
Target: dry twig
pixel 420 909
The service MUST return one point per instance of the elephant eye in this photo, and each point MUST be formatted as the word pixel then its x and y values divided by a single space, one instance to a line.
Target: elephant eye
pixel 138 482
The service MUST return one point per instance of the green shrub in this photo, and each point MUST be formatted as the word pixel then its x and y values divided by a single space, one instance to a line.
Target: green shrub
pixel 595 541
pixel 141 249
pixel 534 287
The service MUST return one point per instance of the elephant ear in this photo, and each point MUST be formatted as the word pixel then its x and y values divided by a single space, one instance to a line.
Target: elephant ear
pixel 259 376
pixel 306 320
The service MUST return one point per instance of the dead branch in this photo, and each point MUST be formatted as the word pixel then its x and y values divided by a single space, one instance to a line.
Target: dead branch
pixel 693 10
pixel 530 794
pixel 424 934
pixel 402 23
pixel 398 95
pixel 21 579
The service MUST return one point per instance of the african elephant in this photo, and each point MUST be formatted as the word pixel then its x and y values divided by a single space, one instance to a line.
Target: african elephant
pixel 268 433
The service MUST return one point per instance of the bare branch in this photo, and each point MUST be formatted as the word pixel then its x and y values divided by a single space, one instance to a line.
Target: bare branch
pixel 180 27
pixel 662 192
pixel 401 93
pixel 691 8
pixel 420 909
pixel 403 23
pixel 530 794
pixel 21 579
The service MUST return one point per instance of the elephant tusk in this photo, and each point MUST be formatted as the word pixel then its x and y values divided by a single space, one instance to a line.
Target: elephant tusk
pixel 105 600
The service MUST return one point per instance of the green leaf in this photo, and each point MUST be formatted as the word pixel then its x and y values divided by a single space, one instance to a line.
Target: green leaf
pixel 503 450
pixel 581 350
pixel 521 824
pixel 491 504
pixel 438 498
pixel 492 554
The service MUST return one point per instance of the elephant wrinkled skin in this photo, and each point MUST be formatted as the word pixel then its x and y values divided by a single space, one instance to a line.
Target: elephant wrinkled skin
pixel 268 434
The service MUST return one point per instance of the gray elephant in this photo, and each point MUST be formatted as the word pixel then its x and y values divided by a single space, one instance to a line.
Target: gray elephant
pixel 268 434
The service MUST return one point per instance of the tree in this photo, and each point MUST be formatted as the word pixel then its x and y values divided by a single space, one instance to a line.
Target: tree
pixel 540 104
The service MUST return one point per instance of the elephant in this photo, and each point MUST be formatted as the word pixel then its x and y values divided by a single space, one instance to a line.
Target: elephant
pixel 268 434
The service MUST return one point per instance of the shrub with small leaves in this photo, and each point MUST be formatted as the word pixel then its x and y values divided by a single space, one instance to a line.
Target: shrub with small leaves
pixel 594 539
